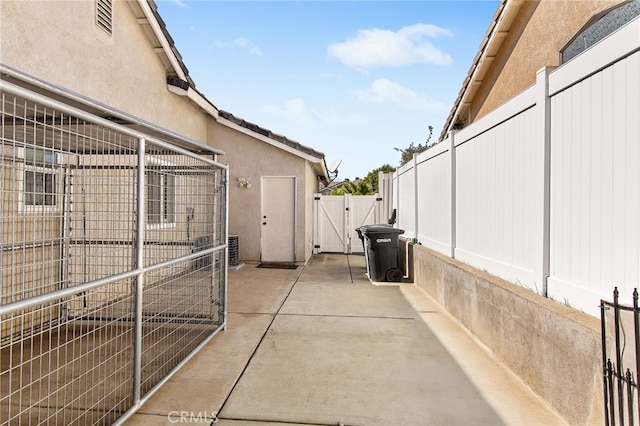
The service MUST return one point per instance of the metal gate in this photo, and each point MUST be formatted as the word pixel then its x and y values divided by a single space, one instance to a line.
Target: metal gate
pixel 620 328
pixel 338 216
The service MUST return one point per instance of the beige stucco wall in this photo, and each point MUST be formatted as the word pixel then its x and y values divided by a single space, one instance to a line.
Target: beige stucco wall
pixel 535 39
pixel 59 42
pixel 553 348
pixel 252 159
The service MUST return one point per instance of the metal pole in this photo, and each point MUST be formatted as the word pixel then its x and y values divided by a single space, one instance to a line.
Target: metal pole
pixel 603 335
pixel 618 357
pixel 139 247
pixel 636 326
pixel 53 296
pixel 226 233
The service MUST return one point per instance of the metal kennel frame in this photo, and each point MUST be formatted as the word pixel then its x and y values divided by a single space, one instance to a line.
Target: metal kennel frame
pixel 113 256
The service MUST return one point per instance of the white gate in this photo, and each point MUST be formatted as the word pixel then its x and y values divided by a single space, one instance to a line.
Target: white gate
pixel 338 216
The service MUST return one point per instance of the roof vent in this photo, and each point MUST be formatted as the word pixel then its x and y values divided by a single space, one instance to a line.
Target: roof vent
pixel 104 15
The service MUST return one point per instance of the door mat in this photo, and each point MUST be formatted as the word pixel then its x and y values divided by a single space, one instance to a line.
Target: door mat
pixel 274 265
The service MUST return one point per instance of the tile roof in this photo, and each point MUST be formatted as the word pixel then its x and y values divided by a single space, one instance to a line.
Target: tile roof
pixel 268 133
pixel 174 50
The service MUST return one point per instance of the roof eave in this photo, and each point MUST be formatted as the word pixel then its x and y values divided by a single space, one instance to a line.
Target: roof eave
pixel 170 55
pixel 496 33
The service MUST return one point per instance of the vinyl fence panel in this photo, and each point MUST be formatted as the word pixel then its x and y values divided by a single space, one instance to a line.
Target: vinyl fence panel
pixel 407 199
pixel 434 197
pixel 595 210
pixel 498 195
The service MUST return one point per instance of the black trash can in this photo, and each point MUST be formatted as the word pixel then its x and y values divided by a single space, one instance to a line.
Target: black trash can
pixel 381 252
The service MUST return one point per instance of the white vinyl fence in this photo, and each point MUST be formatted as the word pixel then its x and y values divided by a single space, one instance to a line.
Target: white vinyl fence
pixel 336 218
pixel 545 190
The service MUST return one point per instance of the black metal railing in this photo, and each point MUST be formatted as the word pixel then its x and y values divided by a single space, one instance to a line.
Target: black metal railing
pixel 621 396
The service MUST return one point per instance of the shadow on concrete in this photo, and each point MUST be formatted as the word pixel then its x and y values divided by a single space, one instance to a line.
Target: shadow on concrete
pixel 322 345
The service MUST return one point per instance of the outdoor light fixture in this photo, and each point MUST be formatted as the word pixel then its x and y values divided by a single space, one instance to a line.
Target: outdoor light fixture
pixel 178 86
pixel 244 183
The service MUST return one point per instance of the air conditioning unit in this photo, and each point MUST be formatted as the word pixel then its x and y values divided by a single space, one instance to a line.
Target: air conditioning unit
pixel 234 250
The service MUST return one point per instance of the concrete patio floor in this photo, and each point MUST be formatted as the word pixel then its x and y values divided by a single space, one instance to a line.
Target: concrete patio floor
pixel 321 345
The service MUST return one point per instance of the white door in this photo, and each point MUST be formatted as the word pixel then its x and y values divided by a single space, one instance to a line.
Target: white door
pixel 278 219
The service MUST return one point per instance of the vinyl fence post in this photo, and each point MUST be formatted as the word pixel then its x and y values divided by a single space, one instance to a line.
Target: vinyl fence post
pixel 397 198
pixel 452 157
pixel 416 193
pixel 544 105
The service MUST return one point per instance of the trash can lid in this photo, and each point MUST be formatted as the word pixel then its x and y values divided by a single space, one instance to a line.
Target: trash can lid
pixel 380 229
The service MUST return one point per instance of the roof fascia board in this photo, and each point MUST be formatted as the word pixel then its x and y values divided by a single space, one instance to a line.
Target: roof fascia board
pixel 268 140
pixel 497 32
pixel 202 102
pixel 155 26
pixel 324 172
pixel 497 29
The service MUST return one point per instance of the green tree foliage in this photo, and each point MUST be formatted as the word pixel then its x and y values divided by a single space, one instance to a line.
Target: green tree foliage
pixel 366 186
pixel 407 153
pixel 357 187
pixel 372 176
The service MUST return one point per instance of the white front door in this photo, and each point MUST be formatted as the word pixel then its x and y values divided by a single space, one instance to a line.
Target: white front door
pixel 278 219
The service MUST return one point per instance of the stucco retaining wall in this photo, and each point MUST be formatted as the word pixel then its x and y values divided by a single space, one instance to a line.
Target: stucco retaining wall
pixel 555 349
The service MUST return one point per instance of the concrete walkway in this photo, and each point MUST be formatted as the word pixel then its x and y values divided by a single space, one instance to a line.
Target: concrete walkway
pixel 321 345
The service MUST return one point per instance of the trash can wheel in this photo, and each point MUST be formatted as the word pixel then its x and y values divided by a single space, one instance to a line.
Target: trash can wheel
pixel 393 275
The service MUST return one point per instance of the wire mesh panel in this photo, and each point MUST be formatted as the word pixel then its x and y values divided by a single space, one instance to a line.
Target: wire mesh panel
pixel 70 372
pixel 106 234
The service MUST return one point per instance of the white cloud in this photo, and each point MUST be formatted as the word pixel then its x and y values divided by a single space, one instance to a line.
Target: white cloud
pixel 298 112
pixel 294 110
pixel 384 91
pixel 242 43
pixel 245 43
pixel 376 48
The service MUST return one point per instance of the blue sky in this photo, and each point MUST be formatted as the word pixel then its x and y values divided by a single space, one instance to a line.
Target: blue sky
pixel 352 79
